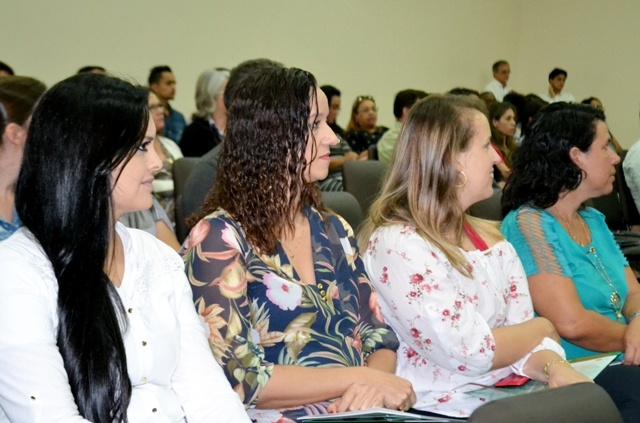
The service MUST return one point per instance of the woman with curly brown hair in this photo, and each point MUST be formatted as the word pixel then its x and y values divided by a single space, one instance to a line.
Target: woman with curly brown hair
pixel 293 319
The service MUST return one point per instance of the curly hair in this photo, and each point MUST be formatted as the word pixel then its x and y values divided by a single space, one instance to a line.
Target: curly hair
pixel 542 166
pixel 262 160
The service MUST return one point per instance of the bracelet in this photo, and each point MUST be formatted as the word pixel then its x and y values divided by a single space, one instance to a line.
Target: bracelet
pixel 633 316
pixel 548 364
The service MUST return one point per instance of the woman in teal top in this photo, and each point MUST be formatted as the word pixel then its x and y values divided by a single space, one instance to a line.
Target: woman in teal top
pixel 544 246
pixel 578 277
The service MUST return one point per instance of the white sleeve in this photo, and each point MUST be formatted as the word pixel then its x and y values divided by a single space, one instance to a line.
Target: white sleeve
pixel 34 385
pixel 429 305
pixel 204 391
pixel 520 305
pixel 631 168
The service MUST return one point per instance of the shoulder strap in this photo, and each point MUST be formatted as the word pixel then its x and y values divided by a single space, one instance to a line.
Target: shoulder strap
pixel 475 238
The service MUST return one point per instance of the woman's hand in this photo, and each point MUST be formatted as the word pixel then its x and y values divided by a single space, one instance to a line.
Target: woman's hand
pixel 631 342
pixel 562 374
pixel 377 389
pixel 358 396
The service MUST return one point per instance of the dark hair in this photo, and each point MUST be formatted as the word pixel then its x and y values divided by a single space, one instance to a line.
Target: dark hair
pixel 406 98
pixel 263 155
pixel 6 68
pixel 155 75
pixel 241 72
pixel 83 128
pixel 588 100
pixel 330 91
pixel 542 166
pixel 496 66
pixel 91 69
pixel 533 104
pixel 517 100
pixel 18 96
pixel 463 91
pixel 557 71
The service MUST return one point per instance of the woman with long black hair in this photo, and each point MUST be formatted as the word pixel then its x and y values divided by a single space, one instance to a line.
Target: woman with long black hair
pixel 96 320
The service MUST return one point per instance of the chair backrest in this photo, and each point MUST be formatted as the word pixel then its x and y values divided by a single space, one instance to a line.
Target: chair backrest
pixel 181 170
pixel 344 204
pixel 579 403
pixel 363 179
pixel 490 209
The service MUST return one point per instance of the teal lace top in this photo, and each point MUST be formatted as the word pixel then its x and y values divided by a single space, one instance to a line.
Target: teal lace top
pixel 544 246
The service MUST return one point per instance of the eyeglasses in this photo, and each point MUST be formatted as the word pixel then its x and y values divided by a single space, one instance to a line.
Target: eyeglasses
pixel 155 107
pixel 364 97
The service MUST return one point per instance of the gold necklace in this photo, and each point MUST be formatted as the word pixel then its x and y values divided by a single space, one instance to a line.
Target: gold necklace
pixel 614 298
pixel 573 235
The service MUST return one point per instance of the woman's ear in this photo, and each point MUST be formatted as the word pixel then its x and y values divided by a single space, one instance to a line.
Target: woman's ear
pixel 576 156
pixel 14 134
pixel 494 122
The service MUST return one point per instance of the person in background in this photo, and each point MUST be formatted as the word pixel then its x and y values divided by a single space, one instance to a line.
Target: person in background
pixel 401 105
pixel 498 87
pixel 631 169
pixel 595 102
pixel 96 320
pixel 503 128
pixel 463 91
pixel 554 94
pixel 201 178
pixel 533 105
pixel 163 83
pixel 168 152
pixel 333 95
pixel 488 98
pixel 518 101
pixel 293 319
pixel 341 152
pixel 362 130
pixel 578 277
pixel 5 70
pixel 18 97
pixel 449 284
pixel 208 124
pixel 98 70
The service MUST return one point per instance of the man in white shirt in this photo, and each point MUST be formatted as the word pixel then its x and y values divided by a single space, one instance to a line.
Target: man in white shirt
pixel 498 87
pixel 557 79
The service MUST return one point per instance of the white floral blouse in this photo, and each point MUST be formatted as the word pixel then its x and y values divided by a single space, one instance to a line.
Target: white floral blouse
pixel 444 319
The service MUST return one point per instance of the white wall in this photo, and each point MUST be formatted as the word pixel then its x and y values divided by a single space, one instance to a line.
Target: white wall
pixel 375 47
pixel 597 42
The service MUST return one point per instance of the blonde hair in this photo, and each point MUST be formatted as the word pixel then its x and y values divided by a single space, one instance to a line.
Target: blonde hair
pixel 420 185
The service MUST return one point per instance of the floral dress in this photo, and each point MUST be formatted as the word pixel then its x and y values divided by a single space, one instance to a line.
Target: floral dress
pixel 444 318
pixel 260 314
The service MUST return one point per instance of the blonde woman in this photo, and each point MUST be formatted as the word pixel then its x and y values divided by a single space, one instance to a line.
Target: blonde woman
pixel 451 287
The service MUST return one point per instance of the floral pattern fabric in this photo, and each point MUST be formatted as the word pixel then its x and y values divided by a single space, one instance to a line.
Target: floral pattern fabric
pixel 260 314
pixel 443 318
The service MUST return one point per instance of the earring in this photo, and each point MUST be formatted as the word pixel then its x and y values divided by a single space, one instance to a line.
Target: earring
pixel 465 180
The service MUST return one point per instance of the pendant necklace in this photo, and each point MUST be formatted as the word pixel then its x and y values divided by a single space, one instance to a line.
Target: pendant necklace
pixel 614 299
